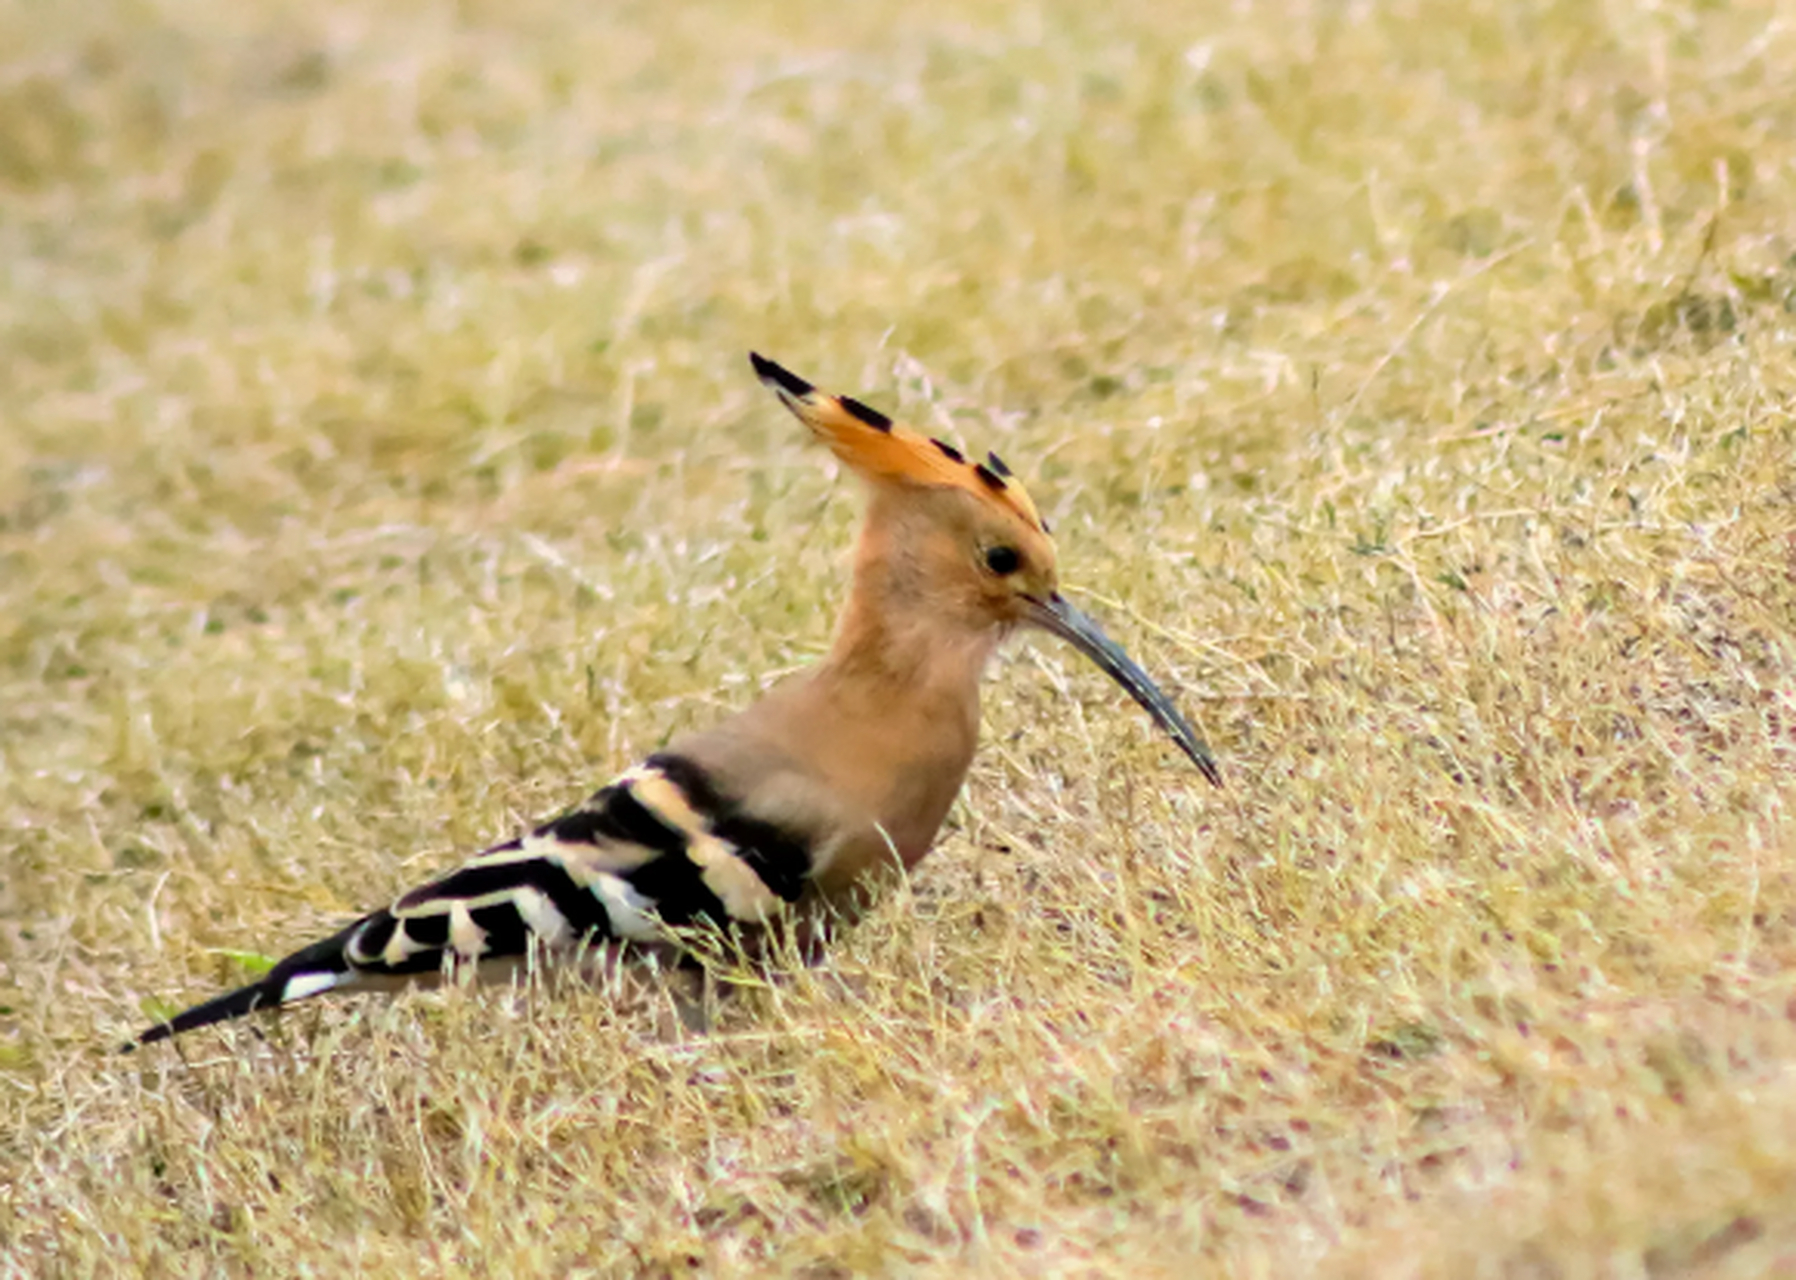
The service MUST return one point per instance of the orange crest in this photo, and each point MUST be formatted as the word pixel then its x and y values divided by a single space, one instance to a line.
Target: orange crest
pixel 880 449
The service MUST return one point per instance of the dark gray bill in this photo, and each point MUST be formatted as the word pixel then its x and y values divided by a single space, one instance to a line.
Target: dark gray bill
pixel 1070 624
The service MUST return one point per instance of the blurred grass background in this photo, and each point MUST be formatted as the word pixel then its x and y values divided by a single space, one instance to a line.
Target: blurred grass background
pixel 1409 385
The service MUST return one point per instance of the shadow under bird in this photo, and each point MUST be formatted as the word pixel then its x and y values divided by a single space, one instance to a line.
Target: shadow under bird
pixel 779 812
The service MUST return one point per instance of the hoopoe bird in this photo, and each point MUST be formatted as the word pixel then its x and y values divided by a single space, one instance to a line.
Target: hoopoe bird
pixel 782 811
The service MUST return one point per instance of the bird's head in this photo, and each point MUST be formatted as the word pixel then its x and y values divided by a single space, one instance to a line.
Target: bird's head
pixel 961 541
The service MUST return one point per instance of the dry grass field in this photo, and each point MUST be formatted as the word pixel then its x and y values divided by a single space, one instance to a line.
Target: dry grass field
pixel 1410 385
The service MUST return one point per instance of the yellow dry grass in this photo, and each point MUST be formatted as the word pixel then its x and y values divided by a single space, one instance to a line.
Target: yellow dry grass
pixel 1410 386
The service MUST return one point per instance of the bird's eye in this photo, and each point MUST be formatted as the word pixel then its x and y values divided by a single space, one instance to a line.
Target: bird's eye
pixel 1003 560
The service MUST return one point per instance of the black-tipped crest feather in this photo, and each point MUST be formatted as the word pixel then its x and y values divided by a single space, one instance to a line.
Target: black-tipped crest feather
pixel 865 413
pixel 779 377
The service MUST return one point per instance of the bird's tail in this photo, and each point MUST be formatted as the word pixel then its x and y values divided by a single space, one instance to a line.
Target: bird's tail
pixel 323 966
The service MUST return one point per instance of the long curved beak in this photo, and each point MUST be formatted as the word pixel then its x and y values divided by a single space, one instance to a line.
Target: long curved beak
pixel 1069 623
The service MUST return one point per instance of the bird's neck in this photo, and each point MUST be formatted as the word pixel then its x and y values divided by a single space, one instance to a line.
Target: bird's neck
pixel 898 636
pixel 884 727
pixel 894 657
pixel 892 713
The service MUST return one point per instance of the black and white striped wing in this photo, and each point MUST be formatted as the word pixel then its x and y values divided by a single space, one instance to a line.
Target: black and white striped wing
pixel 660 847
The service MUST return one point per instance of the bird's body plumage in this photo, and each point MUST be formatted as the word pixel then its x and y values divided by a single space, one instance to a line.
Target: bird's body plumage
pixel 783 811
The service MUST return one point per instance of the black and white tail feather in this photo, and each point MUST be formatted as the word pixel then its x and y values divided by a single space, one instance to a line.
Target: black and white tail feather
pixel 659 848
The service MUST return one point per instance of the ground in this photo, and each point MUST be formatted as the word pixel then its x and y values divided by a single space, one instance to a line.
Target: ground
pixel 1409 386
